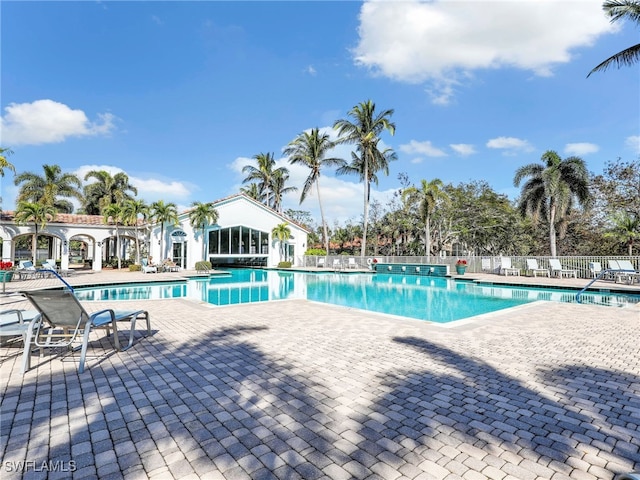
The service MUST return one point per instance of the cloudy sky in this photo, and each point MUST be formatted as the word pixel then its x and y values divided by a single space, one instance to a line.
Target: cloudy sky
pixel 182 95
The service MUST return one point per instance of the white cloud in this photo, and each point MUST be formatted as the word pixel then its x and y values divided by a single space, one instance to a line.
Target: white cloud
pixel 510 145
pixel 422 148
pixel 582 148
pixel 633 143
pixel 310 70
pixel 439 41
pixel 463 149
pixel 46 121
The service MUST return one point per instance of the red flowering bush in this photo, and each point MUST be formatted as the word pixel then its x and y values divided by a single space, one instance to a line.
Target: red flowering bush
pixel 461 262
pixel 6 265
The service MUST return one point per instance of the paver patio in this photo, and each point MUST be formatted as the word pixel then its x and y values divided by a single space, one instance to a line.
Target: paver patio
pixel 296 389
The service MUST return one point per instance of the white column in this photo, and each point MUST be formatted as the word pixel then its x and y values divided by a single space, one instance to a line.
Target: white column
pixel 7 254
pixel 64 256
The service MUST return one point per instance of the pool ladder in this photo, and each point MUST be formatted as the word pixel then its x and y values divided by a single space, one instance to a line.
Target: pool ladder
pixel 602 273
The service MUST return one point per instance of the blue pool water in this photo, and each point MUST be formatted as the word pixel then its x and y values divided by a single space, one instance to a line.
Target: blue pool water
pixel 425 298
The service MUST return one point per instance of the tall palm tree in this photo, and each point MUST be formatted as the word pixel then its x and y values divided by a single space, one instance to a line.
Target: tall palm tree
pixel 132 210
pixel 310 149
pixel 552 189
pixel 280 178
pixel 200 216
pixel 626 228
pixel 107 189
pixel 426 198
pixel 164 213
pixel 39 214
pixel 621 10
pixel 282 233
pixel 364 132
pixel 53 188
pixel 252 191
pixel 114 213
pixel 264 175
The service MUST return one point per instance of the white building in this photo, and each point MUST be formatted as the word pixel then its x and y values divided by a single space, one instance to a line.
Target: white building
pixel 242 236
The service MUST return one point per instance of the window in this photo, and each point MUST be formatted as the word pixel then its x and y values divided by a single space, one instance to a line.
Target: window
pixel 238 241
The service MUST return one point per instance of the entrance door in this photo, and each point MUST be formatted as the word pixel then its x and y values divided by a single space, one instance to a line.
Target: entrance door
pixel 180 254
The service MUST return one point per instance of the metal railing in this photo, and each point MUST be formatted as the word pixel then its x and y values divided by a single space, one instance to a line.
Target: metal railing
pixel 475 264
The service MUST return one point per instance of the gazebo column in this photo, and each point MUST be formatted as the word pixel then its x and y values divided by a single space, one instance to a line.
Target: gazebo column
pixel 97 257
pixel 64 255
pixel 7 254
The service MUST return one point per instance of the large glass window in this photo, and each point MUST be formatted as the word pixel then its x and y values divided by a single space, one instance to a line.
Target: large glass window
pixel 214 238
pixel 238 241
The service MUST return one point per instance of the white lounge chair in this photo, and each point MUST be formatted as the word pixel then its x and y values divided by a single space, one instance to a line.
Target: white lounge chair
pixel 627 272
pixel 18 323
pixel 337 263
pixel 506 268
pixel 559 271
pixel 595 269
pixel 146 268
pixel 534 269
pixel 27 269
pixel 320 263
pixel 486 264
pixel 352 263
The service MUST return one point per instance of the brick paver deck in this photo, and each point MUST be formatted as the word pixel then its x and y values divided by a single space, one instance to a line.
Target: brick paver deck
pixel 296 389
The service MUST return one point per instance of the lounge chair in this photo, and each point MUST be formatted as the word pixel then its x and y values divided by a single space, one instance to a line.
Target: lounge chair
pixel 17 323
pixel 559 271
pixel 486 265
pixel 320 262
pixel 352 263
pixel 26 270
pixel 170 266
pixel 146 268
pixel 63 319
pixel 626 272
pixel 595 269
pixel 534 269
pixel 337 263
pixel 506 268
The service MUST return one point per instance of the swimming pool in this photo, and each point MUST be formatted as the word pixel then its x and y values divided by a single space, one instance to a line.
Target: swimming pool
pixel 424 298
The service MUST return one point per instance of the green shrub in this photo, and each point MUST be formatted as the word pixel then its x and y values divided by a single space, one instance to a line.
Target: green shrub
pixel 318 252
pixel 203 265
pixel 135 268
pixel 284 265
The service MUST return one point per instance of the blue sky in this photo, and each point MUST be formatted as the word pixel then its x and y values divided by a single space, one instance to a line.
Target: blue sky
pixel 181 95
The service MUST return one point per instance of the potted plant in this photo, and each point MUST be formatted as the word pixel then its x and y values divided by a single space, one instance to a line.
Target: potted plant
pixel 461 266
pixel 6 272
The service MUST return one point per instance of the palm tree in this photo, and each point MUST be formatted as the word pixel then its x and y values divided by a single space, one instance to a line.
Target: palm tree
pixel 280 178
pixel 364 132
pixel 264 175
pixel 4 163
pixel 621 10
pixel 114 212
pixel 282 233
pixel 626 228
pixel 164 213
pixel 310 149
pixel 426 198
pixel 551 190
pixel 251 191
pixel 107 189
pixel 200 216
pixel 52 188
pixel 39 214
pixel 132 210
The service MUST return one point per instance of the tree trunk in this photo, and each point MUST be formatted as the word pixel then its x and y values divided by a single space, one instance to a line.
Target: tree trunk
pixel 34 245
pixel 427 238
pixel 552 229
pixel 325 232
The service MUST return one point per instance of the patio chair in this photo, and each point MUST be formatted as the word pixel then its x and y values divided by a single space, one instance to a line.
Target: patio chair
pixel 16 324
pixel 595 269
pixel 170 266
pixel 559 271
pixel 63 319
pixel 534 269
pixel 320 262
pixel 506 268
pixel 337 263
pixel 26 269
pixel 486 264
pixel 352 263
pixel 146 268
pixel 627 272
